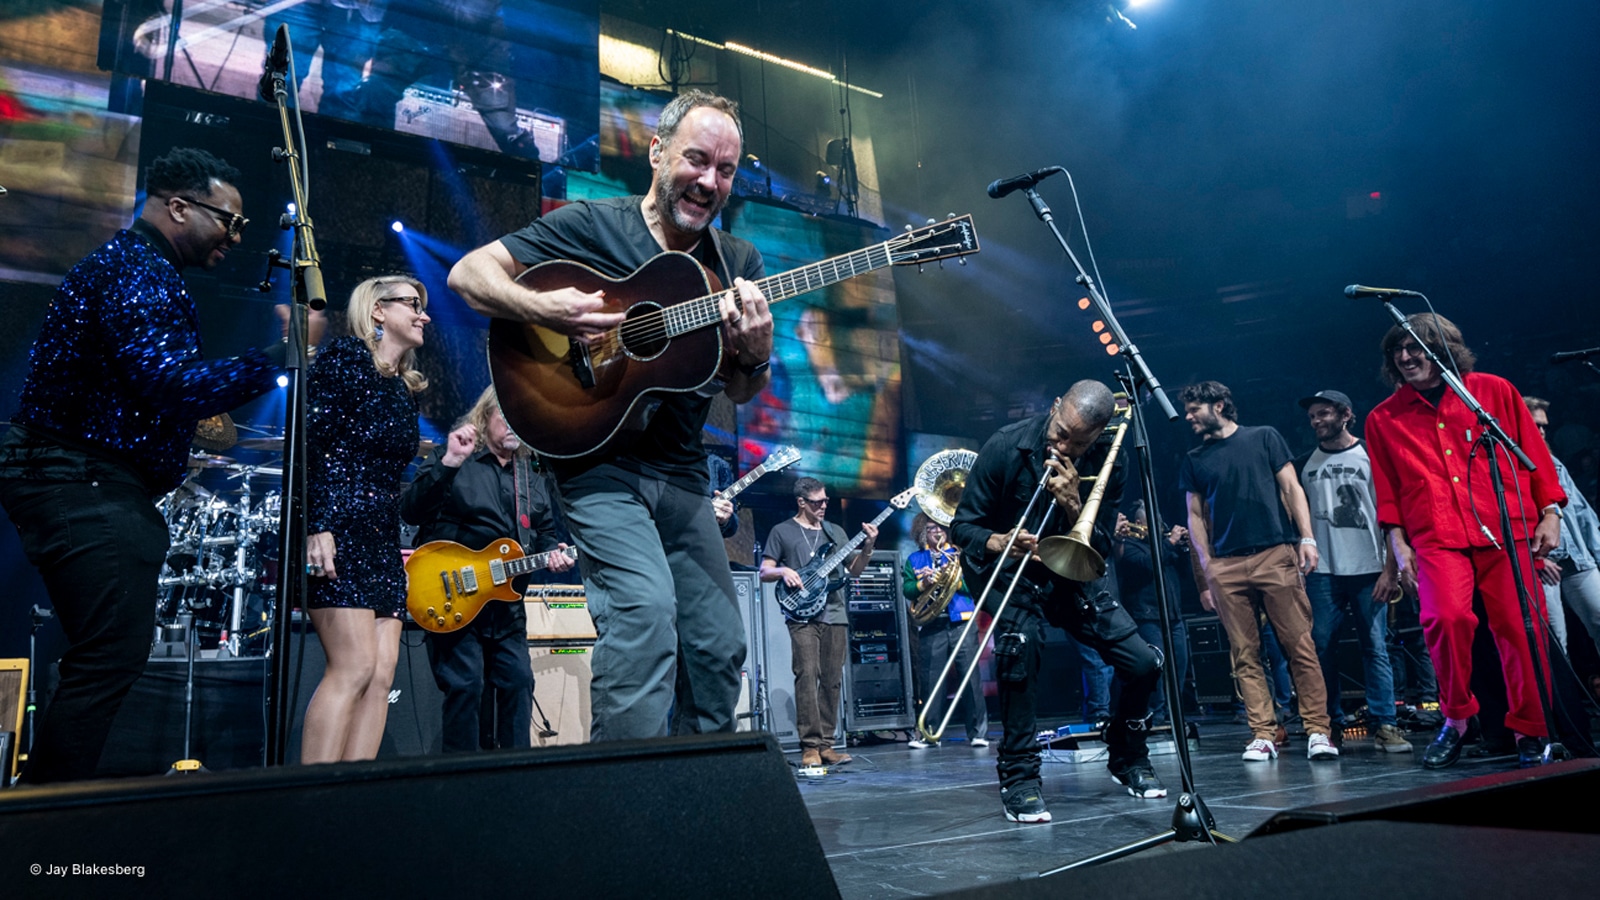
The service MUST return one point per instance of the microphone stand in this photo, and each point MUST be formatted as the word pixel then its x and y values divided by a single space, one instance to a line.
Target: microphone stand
pixel 1492 438
pixel 306 269
pixel 1191 818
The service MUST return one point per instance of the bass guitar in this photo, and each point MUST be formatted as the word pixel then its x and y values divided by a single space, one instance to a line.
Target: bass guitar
pixel 567 399
pixel 778 460
pixel 817 579
pixel 450 583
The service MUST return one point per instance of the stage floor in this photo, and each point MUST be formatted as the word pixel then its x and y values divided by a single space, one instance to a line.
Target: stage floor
pixel 897 822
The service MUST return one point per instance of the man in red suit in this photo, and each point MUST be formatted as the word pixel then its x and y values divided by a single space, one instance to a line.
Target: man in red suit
pixel 1437 504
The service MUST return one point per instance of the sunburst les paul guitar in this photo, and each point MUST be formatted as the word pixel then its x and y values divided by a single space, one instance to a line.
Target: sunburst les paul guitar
pixel 567 399
pixel 451 583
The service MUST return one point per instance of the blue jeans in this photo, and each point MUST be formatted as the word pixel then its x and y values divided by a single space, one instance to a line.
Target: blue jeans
pixel 1096 681
pixel 1331 596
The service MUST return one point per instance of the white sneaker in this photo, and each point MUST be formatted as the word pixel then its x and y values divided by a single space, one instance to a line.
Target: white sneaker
pixel 1319 747
pixel 979 743
pixel 1260 750
pixel 920 744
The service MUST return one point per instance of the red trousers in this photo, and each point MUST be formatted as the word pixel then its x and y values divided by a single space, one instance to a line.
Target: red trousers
pixel 1446 582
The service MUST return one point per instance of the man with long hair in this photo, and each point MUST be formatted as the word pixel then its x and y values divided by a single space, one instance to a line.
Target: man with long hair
pixel 1437 504
pixel 480 487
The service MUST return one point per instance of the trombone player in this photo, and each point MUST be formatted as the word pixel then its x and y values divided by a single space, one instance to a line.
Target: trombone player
pixel 1053 449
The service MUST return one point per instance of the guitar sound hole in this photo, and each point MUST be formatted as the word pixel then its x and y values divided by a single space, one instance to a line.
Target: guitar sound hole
pixel 644 339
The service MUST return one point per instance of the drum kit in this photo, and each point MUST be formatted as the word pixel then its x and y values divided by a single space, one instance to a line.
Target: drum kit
pixel 222 564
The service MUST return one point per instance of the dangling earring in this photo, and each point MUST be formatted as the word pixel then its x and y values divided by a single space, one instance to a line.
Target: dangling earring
pixel 377 331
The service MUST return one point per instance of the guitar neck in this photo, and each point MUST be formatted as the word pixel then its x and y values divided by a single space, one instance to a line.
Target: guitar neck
pixel 750 477
pixel 703 311
pixel 524 565
pixel 840 555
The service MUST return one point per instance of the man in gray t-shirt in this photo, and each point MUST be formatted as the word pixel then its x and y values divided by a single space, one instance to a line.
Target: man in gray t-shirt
pixel 819 643
pixel 1353 573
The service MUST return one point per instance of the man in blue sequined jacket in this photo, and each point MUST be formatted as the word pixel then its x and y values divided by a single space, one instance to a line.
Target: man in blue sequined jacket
pixel 115 387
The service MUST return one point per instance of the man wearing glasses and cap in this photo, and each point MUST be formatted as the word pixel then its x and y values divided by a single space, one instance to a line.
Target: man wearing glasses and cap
pixel 1353 573
pixel 115 387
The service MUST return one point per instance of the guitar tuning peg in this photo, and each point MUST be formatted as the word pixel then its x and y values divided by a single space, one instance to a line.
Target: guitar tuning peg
pixel 961 260
pixel 933 222
pixel 949 215
pixel 919 268
pixel 908 227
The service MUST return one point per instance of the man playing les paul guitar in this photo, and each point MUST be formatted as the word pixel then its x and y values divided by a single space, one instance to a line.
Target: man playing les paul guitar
pixel 479 488
pixel 655 570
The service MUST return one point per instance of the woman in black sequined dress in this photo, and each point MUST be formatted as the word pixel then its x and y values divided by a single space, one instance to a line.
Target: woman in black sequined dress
pixel 361 435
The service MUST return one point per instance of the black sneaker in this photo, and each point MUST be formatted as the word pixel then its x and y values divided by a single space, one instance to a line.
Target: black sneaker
pixel 1141 781
pixel 1025 802
pixel 1530 752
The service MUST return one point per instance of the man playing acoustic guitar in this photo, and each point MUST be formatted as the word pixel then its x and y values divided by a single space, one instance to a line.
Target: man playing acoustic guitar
pixel 655 569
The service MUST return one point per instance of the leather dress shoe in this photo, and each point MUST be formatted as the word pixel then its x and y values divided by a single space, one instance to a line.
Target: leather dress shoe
pixel 1446 748
pixel 1530 752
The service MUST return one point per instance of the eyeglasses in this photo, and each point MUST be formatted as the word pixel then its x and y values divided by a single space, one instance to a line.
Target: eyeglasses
pixel 1411 347
pixel 414 302
pixel 814 504
pixel 232 221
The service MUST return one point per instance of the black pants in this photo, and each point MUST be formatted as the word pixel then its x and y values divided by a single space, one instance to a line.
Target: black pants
pixel 99 546
pixel 1018 640
pixel 493 652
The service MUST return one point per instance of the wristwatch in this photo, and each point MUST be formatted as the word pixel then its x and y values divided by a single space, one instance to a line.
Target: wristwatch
pixel 752 371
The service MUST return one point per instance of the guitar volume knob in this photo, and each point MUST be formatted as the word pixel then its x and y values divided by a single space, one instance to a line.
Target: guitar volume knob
pixel 458 618
pixel 431 612
pixel 439 621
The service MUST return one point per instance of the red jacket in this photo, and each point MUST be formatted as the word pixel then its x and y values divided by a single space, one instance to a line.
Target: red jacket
pixel 1419 464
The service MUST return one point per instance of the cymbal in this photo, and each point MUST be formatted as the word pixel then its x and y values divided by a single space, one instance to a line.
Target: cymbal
pixel 199 461
pixel 215 434
pixel 262 443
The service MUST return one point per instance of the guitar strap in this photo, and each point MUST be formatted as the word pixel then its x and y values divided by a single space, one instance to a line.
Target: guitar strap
pixel 522 500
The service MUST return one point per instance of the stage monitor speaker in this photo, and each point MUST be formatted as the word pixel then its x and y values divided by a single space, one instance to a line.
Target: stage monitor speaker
pixel 416 705
pixel 229 718
pixel 13 704
pixel 1558 797
pixel 698 816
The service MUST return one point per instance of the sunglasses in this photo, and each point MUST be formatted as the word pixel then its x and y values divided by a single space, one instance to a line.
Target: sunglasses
pixel 815 504
pixel 234 222
pixel 414 302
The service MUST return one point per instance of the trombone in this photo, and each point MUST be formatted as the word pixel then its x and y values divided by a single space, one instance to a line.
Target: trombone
pixel 1070 556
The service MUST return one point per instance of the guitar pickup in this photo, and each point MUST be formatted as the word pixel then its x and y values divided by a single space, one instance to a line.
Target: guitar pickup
pixel 578 359
pixel 469 580
pixel 497 571
pixel 456 575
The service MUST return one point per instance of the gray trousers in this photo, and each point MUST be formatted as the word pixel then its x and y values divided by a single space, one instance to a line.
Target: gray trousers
pixel 661 595
pixel 938 642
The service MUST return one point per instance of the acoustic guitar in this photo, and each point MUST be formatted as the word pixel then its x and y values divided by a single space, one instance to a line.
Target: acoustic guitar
pixel 565 399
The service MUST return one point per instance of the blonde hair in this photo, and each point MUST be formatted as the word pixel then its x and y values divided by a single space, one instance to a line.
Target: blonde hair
pixel 363 300
pixel 479 415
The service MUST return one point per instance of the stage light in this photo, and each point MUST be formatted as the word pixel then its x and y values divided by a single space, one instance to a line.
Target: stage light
pixel 1105 337
pixel 824 182
pixel 1099 326
pixel 397 226
pixel 753 160
pixel 1135 4
pixel 283 381
pixel 289 208
pixel 762 55
pixel 1112 349
pixel 1083 302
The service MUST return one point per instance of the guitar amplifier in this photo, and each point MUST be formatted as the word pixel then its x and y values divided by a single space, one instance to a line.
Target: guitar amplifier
pixel 558 612
pixel 13 700
pixel 1213 666
pixel 561 675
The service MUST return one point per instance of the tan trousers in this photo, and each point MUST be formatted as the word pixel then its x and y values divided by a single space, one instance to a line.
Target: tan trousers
pixel 1271 580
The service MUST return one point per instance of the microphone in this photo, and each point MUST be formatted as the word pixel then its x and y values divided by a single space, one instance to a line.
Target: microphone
pixel 1570 355
pixel 1359 291
pixel 1003 186
pixel 276 62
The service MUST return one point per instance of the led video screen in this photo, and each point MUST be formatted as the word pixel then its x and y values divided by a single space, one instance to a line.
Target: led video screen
pixel 519 76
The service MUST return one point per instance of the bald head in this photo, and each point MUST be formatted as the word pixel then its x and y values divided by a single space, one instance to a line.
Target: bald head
pixel 1078 418
pixel 1093 402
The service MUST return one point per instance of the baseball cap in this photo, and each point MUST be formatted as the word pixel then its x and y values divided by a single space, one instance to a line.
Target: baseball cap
pixel 1337 398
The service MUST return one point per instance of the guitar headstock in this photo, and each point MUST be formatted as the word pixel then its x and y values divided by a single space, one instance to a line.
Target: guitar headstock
pixel 904 498
pixel 955 236
pixel 781 458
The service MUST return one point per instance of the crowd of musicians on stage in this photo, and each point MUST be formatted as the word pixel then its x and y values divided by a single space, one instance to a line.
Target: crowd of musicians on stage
pixel 1393 508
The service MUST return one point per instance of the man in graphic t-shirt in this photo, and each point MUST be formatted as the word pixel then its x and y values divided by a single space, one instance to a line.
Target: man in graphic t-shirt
pixel 1353 573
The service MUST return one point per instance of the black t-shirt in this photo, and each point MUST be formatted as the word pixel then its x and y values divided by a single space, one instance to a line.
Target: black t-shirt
pixel 1236 476
pixel 611 237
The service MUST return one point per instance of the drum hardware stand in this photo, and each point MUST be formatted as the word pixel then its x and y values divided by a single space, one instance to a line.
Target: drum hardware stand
pixel 308 294
pixel 1496 441
pixel 1191 819
pixel 188 764
pixel 38 615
